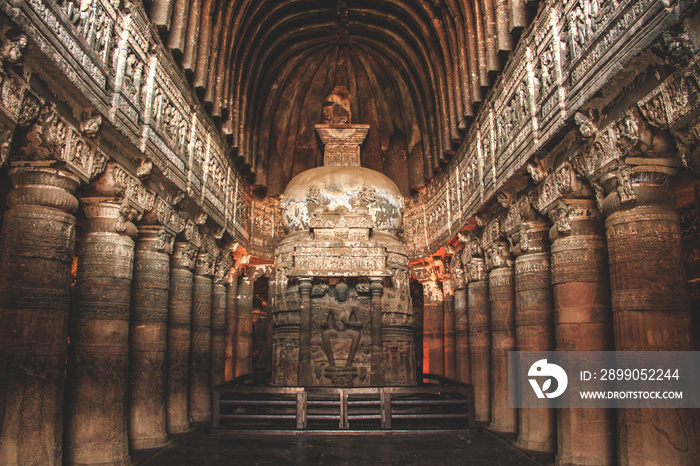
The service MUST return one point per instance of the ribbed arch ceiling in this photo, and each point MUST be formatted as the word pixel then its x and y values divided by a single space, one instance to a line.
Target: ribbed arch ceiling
pixel 416 70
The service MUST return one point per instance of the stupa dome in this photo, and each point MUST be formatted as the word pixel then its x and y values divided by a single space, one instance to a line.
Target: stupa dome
pixel 344 190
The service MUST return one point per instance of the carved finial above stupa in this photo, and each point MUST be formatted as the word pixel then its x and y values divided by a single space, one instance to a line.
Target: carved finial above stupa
pixel 341 139
pixel 336 107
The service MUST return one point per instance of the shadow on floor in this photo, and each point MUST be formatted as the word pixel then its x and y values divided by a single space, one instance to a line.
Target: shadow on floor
pixel 442 449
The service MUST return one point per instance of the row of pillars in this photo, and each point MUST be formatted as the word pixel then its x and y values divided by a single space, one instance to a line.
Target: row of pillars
pixel 579 285
pixel 139 344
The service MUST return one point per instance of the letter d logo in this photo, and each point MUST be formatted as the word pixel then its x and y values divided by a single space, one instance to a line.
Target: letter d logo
pixel 542 369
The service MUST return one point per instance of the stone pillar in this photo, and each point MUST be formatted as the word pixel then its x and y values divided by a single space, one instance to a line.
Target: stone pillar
pixel 149 311
pixel 218 320
pixel 533 325
pixel 200 340
pixel 480 338
pixel 96 398
pixel 36 251
pixel 649 300
pixel 230 325
pixel 462 335
pixel 376 378
pixel 449 326
pixel 433 328
pixel 582 322
pixel 178 337
pixel 502 302
pixel 244 329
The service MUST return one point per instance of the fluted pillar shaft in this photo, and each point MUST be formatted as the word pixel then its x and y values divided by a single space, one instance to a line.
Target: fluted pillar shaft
pixel 200 340
pixel 230 326
pixel 178 337
pixel 433 329
pixel 503 340
pixel 583 322
pixel 36 250
pixel 96 425
pixel 534 329
pixel 649 301
pixel 244 329
pixel 449 325
pixel 480 338
pixel 147 346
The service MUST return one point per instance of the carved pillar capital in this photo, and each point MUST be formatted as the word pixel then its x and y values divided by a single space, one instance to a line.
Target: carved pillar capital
pixel 222 269
pixel 183 256
pixel 37 183
pixel 533 237
pixel 456 268
pixel 109 215
pixel 573 216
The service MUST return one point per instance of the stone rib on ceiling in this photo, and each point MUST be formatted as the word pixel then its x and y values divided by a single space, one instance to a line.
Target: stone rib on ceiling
pixel 417 70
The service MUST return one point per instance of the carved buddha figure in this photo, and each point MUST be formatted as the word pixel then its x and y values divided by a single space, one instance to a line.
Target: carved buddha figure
pixel 341 323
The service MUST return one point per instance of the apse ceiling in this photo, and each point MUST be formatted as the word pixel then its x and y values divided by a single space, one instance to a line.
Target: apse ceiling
pixel 416 70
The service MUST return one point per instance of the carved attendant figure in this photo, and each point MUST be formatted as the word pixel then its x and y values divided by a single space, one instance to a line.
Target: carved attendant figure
pixel 341 322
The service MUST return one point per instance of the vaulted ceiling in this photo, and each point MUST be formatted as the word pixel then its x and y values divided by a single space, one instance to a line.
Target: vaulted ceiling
pixel 416 69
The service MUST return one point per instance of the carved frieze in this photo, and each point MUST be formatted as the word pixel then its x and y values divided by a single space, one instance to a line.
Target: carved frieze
pixel 51 137
pixel 117 181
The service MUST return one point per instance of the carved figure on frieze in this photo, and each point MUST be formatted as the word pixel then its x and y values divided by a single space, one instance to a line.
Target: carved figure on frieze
pixel 586 127
pixel 90 124
pixel 624 184
pixel 144 169
pixel 688 143
pixel 676 47
pixel 537 170
pixel 633 135
pixel 546 68
pixel 12 49
pixel 29 110
pixel 561 219
pixel 126 215
pixel 164 240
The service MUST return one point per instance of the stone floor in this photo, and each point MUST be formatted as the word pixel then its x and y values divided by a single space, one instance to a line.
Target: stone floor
pixel 448 448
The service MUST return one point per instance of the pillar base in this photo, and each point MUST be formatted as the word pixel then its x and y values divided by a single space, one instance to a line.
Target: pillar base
pixel 179 429
pixel 147 443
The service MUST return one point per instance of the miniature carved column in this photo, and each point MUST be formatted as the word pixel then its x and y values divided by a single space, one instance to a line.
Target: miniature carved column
pixel 149 310
pixel 36 251
pixel 480 338
pixel 433 328
pixel 649 300
pixel 582 322
pixel 96 427
pixel 461 331
pixel 244 324
pixel 200 340
pixel 449 326
pixel 230 325
pixel 533 323
pixel 503 340
pixel 376 287
pixel 218 321
pixel 178 337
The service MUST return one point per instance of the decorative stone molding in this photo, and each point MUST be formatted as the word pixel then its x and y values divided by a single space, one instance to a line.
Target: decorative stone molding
pixel 52 137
